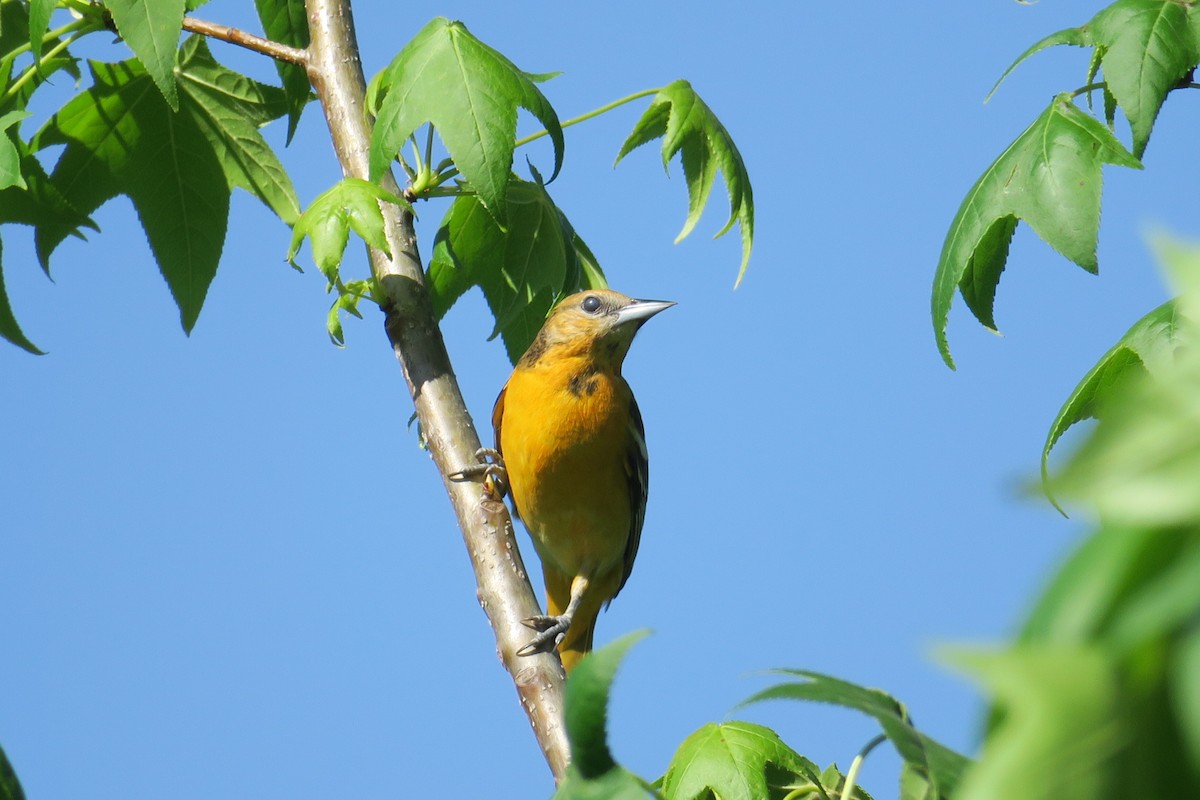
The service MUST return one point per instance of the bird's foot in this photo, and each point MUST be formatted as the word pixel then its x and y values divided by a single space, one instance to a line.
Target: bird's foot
pixel 490 469
pixel 551 631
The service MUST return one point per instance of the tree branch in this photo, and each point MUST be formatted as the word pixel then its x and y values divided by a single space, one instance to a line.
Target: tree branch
pixel 504 592
pixel 280 52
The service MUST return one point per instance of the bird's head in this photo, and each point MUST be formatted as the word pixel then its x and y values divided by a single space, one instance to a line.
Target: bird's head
pixel 599 323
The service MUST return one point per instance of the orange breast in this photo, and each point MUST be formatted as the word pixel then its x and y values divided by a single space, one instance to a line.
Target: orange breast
pixel 564 439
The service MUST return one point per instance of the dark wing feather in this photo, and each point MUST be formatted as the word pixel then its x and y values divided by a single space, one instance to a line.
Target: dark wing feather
pixel 497 422
pixel 637 471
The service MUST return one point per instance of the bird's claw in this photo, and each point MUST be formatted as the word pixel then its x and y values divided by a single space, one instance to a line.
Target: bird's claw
pixel 490 468
pixel 551 631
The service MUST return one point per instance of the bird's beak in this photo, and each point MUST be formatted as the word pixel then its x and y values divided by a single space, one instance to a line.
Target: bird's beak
pixel 642 310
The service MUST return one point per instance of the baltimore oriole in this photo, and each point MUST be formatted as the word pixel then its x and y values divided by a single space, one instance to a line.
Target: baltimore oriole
pixel 571 442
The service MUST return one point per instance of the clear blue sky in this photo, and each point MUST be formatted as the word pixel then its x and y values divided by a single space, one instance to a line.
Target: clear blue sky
pixel 228 570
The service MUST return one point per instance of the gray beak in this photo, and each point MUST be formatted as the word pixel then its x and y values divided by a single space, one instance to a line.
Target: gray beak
pixel 642 310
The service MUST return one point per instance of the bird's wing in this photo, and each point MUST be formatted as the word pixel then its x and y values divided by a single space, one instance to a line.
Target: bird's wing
pixel 497 422
pixel 637 472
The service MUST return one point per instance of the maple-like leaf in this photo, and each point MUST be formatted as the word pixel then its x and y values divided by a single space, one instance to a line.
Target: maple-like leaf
pixel 285 21
pixel 1050 178
pixel 734 761
pixel 689 127
pixel 1144 47
pixel 522 270
pixel 1148 346
pixel 11 330
pixel 151 29
pixel 470 93
pixel 351 203
pixel 211 144
pixel 940 766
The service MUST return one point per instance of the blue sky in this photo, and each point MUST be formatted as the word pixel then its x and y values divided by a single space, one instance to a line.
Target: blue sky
pixel 229 570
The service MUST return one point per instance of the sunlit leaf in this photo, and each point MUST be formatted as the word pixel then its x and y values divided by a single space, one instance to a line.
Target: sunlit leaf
pixel 349 296
pixel 39 19
pixel 593 773
pixel 1060 727
pixel 1050 178
pixel 151 29
pixel 688 126
pixel 1149 344
pixel 229 109
pixel 585 702
pixel 470 93
pixel 616 784
pixel 939 764
pixel 351 203
pixel 111 132
pixel 1079 37
pixel 733 761
pixel 1145 47
pixel 522 271
pixel 10 158
pixel 122 124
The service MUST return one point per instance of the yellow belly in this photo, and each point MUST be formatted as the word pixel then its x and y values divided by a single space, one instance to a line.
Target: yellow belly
pixel 566 468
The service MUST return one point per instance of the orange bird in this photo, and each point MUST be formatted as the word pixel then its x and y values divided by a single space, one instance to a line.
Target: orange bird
pixel 571 440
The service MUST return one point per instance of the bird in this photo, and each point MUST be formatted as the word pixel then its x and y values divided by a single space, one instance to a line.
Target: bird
pixel 572 446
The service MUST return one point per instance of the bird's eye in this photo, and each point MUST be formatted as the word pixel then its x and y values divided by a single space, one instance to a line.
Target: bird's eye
pixel 591 304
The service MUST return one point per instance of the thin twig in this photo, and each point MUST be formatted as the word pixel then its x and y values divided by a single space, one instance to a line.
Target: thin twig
pixel 276 50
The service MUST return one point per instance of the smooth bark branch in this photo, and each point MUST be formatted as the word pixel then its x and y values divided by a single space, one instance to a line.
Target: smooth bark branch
pixel 335 72
pixel 280 52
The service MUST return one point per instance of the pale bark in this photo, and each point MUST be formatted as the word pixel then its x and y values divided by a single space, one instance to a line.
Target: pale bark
pixel 504 591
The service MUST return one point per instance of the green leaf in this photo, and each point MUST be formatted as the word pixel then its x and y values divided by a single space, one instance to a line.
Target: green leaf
pixel 10 787
pixel 913 783
pixel 1149 344
pixel 1141 465
pixel 522 271
pixel 616 784
pixel 539 257
pixel 11 331
pixel 349 295
pixel 1186 689
pixel 228 109
pixel 286 22
pixel 833 784
pixel 16 35
pixel 1078 37
pixel 349 203
pixel 39 20
pixel 470 93
pixel 941 765
pixel 591 276
pixel 468 243
pixel 688 126
pixel 111 133
pixel 10 158
pixel 1163 607
pixel 39 203
pixel 1147 46
pixel 1112 566
pixel 151 29
pixel 585 713
pixel 734 761
pixel 1050 178
pixel 1060 728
